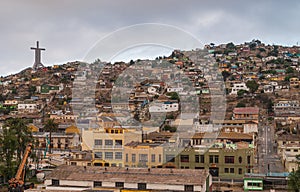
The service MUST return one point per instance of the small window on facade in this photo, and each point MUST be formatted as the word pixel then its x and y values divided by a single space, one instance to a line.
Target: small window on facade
pixel 55 182
pixel 97 183
pixel 142 186
pixel 240 171
pixel 170 158
pixel 120 184
pixel 98 142
pixel 153 158
pixel 188 187
pixel 240 159
pixel 73 163
pixel 184 158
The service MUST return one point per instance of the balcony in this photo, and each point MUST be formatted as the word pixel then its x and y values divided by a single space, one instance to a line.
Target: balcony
pixel 108 147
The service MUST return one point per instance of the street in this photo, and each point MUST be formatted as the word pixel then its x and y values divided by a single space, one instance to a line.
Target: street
pixel 268 160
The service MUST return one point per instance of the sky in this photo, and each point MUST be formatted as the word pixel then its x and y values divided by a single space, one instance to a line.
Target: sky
pixel 69 29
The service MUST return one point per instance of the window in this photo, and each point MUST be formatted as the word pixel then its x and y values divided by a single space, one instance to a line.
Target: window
pixel 109 155
pixel 231 170
pixel 197 158
pixel 143 158
pixel 240 159
pixel 98 155
pixel 97 183
pixel 118 155
pixel 153 158
pixel 240 171
pixel 119 143
pixel 98 141
pixel 184 158
pixel 142 186
pixel 248 159
pixel 295 150
pixel 188 187
pixel 159 158
pixel 229 159
pixel 216 158
pixel 108 142
pixel 55 182
pixel 119 184
pixel 73 163
pixel 133 158
pixel 201 158
pixel 226 170
pixel 213 159
pixel 126 157
pixel 170 158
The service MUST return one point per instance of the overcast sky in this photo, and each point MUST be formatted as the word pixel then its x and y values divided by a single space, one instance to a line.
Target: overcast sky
pixel 68 29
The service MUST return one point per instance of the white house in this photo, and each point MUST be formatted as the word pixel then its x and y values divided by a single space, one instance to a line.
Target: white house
pixel 80 178
pixel 164 107
pixel 175 89
pixel 152 90
pixel 27 107
pixel 237 87
pixel 268 89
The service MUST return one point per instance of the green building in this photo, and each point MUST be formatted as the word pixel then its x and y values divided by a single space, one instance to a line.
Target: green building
pixel 223 160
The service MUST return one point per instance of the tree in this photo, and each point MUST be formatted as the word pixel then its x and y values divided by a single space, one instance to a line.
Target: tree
pixel 13 141
pixel 294 178
pixel 23 135
pixel 252 85
pixel 225 75
pixel 173 96
pixel 230 46
pixel 8 143
pixel 50 127
pixel 289 70
pixel 241 93
pixel 241 104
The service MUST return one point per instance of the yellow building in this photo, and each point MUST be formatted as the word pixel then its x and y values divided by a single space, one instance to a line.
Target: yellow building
pixel 143 154
pixel 107 145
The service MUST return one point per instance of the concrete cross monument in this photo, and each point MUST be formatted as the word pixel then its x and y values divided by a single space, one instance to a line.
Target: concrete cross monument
pixel 37 62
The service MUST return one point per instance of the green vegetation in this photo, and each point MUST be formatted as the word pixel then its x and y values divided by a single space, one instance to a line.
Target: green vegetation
pixel 170 128
pixel 294 178
pixel 252 85
pixel 50 126
pixel 13 141
pixel 173 95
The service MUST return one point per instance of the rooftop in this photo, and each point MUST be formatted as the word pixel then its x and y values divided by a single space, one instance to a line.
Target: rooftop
pixel 246 110
pixel 130 175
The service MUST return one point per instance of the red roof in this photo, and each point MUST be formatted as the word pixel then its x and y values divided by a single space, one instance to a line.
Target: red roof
pixel 246 110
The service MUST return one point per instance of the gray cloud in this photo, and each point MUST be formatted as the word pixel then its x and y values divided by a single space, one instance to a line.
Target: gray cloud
pixel 69 28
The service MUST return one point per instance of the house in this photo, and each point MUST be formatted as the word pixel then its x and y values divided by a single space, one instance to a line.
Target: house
pixel 223 159
pixel 49 89
pixel 174 89
pixel 287 107
pixel 79 158
pixel 294 82
pixel 28 107
pixel 246 113
pixel 268 89
pixel 139 154
pixel 107 145
pixel 237 87
pixel 164 107
pixel 78 178
pixel 60 141
pixel 288 156
pixel 10 102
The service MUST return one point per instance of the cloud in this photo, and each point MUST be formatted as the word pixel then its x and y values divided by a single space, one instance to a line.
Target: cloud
pixel 69 28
